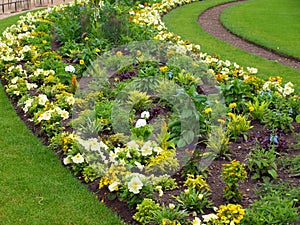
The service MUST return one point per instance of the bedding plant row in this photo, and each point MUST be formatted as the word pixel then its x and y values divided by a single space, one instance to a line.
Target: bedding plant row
pixel 151 120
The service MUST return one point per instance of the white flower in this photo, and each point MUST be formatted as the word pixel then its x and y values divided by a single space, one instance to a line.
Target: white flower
pixel 232 223
pixel 139 165
pixel 135 185
pixel 171 206
pixel 78 158
pixel 146 149
pixel 14 80
pixel 288 89
pixel 27 104
pixel 64 114
pixel 209 217
pixel 70 69
pixel 45 116
pixel 102 145
pixel 114 186
pixel 67 160
pixel 94 144
pixel 140 123
pixel 158 150
pixel 227 63
pixel 42 99
pixel 200 196
pixel 145 115
pixel 132 144
pixel 196 221
pixel 252 70
pixel 70 100
pixel 160 191
pixel 17 93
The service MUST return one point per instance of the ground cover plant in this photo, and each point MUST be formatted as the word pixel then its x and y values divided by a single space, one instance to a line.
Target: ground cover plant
pixel 161 132
pixel 272 28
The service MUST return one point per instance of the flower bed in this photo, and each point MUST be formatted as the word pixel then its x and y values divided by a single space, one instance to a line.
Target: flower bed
pixel 178 135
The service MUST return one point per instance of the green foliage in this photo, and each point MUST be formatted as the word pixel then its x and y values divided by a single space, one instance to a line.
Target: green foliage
pixel 291 163
pixel 272 209
pixel 238 125
pixel 279 120
pixel 262 163
pixel 232 174
pixel 217 142
pixel 145 211
pixel 142 133
pixel 138 99
pixel 165 162
pixel 234 90
pixel 165 181
pixel 90 174
pixel 194 200
pixel 258 110
pixel 133 199
pixel 170 215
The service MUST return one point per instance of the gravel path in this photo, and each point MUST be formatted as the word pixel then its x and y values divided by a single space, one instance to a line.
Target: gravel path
pixel 209 20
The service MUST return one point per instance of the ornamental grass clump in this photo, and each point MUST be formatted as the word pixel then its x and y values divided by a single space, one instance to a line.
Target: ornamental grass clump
pixel 233 173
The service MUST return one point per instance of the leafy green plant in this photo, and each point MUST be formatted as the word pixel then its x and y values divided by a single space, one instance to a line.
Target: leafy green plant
pixel 279 119
pixel 90 174
pixel 232 174
pixel 165 181
pixel 133 199
pixel 272 209
pixel 234 90
pixel 262 163
pixel 170 215
pixel 257 109
pixel 145 211
pixel 194 200
pixel 238 125
pixel 138 99
pixel 217 142
pixel 142 133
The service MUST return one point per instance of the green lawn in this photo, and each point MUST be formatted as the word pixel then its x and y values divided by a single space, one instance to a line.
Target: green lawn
pixel 35 188
pixel 183 21
pixel 271 23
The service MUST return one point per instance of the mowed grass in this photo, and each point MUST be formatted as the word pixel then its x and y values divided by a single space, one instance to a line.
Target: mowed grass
pixel 35 188
pixel 183 21
pixel 274 24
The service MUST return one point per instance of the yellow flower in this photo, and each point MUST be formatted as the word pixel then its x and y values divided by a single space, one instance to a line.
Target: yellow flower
pixel 138 52
pixel 119 53
pixel 251 108
pixel 232 105
pixel 81 61
pixel 208 110
pixel 163 68
pixel 86 38
pixel 221 121
pixel 97 50
pixel 230 114
pixel 44 42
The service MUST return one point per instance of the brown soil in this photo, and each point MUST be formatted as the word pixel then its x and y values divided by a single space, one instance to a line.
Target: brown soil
pixel 209 20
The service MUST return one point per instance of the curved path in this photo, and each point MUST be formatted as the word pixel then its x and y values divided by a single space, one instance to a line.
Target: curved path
pixel 209 20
